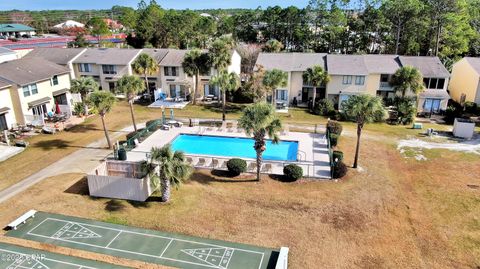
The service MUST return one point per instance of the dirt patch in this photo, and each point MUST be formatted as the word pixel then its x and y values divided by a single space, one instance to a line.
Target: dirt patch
pixel 345 219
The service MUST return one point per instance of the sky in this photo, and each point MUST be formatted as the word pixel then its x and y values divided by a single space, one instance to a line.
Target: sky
pixel 175 4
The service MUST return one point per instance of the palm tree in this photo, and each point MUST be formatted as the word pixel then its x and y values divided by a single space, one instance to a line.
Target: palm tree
pixel 226 82
pixel 273 79
pixel 131 86
pixel 84 86
pixel 172 169
pixel 102 102
pixel 220 54
pixel 273 45
pixel 195 63
pixel 407 79
pixel 260 120
pixel 316 77
pixel 145 65
pixel 362 109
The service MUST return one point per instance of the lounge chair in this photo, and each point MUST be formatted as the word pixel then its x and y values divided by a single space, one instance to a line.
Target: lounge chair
pixel 214 163
pixel 267 168
pixel 223 166
pixel 165 127
pixel 252 167
pixel 223 127
pixel 201 162
pixel 189 160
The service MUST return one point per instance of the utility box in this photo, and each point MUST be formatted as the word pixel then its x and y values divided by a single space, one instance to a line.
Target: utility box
pixel 463 128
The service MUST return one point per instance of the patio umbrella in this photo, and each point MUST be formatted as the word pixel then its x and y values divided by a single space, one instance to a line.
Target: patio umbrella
pixel 163 116
pixel 57 108
pixel 171 114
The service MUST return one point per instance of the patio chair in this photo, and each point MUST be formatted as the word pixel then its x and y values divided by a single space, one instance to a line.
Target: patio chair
pixel 252 166
pixel 201 162
pixel 267 168
pixel 189 160
pixel 165 127
pixel 214 163
pixel 223 127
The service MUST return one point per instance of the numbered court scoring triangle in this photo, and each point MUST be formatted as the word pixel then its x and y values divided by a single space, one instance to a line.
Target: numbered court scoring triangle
pixel 219 257
pixel 75 231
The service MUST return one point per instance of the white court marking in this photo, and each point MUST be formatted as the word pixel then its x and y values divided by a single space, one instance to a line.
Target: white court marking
pixel 27 255
pixel 209 264
pixel 212 255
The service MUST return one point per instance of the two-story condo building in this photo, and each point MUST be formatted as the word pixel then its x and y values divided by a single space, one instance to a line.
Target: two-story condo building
pixel 355 74
pixel 105 65
pixel 60 56
pixel 35 85
pixel 465 82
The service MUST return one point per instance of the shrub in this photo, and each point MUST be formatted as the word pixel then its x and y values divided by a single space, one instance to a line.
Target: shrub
pixel 150 122
pixel 337 156
pixel 134 133
pixel 151 125
pixel 236 166
pixel 339 170
pixel 472 108
pixel 406 110
pixel 451 113
pixel 323 107
pixel 79 109
pixel 292 172
pixel 334 140
pixel 334 127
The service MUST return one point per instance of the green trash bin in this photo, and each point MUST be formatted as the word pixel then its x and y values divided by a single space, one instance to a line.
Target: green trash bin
pixel 122 154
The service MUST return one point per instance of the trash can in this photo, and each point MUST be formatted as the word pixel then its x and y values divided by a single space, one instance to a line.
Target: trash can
pixel 122 154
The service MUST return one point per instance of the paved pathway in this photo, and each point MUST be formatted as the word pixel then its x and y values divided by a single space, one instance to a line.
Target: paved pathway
pixel 80 161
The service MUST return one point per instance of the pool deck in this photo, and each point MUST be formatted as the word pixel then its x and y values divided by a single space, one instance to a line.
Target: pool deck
pixel 312 150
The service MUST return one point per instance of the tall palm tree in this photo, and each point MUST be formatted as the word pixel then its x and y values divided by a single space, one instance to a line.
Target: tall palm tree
pixel 316 77
pixel 220 54
pixel 195 63
pixel 407 79
pixel 260 120
pixel 84 86
pixel 145 65
pixel 273 79
pixel 362 109
pixel 227 82
pixel 172 169
pixel 103 102
pixel 131 86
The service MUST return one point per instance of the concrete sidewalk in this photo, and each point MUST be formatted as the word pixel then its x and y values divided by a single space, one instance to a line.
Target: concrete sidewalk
pixel 80 161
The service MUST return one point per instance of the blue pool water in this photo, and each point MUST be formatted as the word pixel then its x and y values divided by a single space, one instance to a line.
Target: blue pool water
pixel 234 147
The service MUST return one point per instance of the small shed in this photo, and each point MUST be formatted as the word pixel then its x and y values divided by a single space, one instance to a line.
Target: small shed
pixel 120 180
pixel 463 128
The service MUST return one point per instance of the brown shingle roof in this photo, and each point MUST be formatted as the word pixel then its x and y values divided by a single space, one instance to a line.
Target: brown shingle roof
pixel 4 84
pixel 29 70
pixel 111 56
pixel 475 63
pixel 428 66
pixel 346 65
pixel 290 61
pixel 56 55
pixel 174 57
pixel 157 54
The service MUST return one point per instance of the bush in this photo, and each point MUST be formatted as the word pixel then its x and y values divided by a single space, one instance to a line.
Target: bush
pixel 334 127
pixel 134 133
pixel 334 140
pixel 406 110
pixel 339 170
pixel 451 113
pixel 337 156
pixel 236 166
pixel 472 108
pixel 151 125
pixel 323 107
pixel 292 172
pixel 79 109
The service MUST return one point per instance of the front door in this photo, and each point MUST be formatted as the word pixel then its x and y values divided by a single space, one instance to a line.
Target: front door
pixel 305 94
pixel 3 123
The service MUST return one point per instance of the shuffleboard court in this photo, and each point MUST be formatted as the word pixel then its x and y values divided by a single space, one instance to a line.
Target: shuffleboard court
pixel 15 257
pixel 145 245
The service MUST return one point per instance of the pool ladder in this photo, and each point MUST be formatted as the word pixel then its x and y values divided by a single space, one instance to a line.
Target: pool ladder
pixel 301 154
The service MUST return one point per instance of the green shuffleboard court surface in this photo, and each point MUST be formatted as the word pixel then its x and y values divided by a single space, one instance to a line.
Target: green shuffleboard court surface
pixel 15 257
pixel 144 245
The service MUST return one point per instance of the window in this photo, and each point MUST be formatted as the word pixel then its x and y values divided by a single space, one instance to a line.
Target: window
pixel 434 83
pixel 347 79
pixel 109 69
pixel 384 78
pixel 170 71
pixel 359 80
pixel 282 95
pixel 173 91
pixel 87 68
pixel 29 90
pixel 54 80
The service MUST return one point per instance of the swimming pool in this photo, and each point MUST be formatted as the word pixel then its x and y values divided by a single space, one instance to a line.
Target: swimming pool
pixel 234 147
